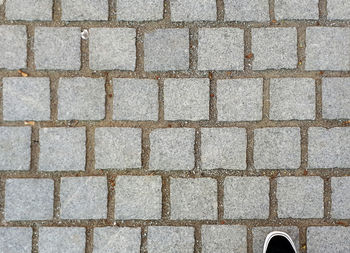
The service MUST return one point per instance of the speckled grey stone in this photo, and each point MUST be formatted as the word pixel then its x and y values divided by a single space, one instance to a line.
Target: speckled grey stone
pixel 172 149
pixel 84 9
pixel 28 199
pixel 340 197
pixel 247 10
pixel 240 99
pixel 139 10
pixel 26 98
pixel 220 49
pixel 338 9
pixel 83 197
pixel 112 48
pixel 135 99
pixel 277 148
pixel 186 99
pixel 300 197
pixel 328 239
pixel 295 9
pixel 292 99
pixel 274 48
pixel 329 148
pixel 117 239
pixel 327 48
pixel 62 149
pixel 62 239
pixel 13 47
pixel 81 98
pixel 224 239
pixel 336 98
pixel 28 10
pixel 223 148
pixel 15 145
pixel 189 10
pixel 193 199
pixel 246 198
pixel 170 239
pixel 167 49
pixel 117 148
pixel 15 239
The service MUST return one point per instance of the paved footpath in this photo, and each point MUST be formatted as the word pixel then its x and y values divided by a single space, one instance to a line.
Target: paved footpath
pixel 174 125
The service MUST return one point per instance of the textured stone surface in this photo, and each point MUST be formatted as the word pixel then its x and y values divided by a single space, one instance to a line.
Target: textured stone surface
pixel 172 149
pixel 62 149
pixel 117 148
pixel 248 10
pixel 246 198
pixel 223 148
pixel 138 198
pixel 328 239
pixel 84 9
pixel 139 10
pixel 166 49
pixel 220 49
pixel 189 10
pixel 28 199
pixel 83 197
pixel 28 10
pixel 329 148
pixel 239 99
pixel 340 197
pixel 300 197
pixel 277 148
pixel 193 199
pixel 338 9
pixel 186 99
pixel 135 99
pixel 15 239
pixel 292 99
pixel 294 9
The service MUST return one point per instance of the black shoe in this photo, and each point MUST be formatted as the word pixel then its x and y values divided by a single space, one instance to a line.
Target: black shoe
pixel 279 242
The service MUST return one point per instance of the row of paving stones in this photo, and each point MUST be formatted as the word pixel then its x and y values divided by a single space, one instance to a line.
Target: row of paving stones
pixel 59 48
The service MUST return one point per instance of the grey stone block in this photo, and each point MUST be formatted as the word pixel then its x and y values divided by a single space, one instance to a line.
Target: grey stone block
pixel 167 49
pixel 29 199
pixel 15 145
pixel 172 149
pixel 57 48
pixel 248 10
pixel 328 239
pixel 220 49
pixel 246 198
pixel 193 199
pixel 170 239
pixel 239 99
pixel 336 98
pixel 84 10
pixel 223 148
pixel 83 197
pixel 117 148
pixel 300 197
pixel 340 197
pixel 62 149
pixel 13 47
pixel 292 99
pixel 329 148
pixel 117 239
pixel 189 10
pixel 294 9
pixel 28 10
pixel 112 48
pixel 81 98
pixel 62 239
pixel 327 48
pixel 277 148
pixel 15 239
pixel 338 9
pixel 139 10
pixel 224 239
pixel 274 48
pixel 135 99
pixel 26 98
pixel 186 99
pixel 138 197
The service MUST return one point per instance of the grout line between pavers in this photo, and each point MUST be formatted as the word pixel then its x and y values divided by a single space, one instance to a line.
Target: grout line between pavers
pixel 57 11
pixel 35 238
pixel 193 50
pixel 160 100
pixel 304 149
pixel 220 198
pixel 34 149
pixel 301 43
pixel 112 11
pixel 54 82
pixel 197 238
pixel 109 98
pixel 273 198
pixel 30 47
pixel 84 52
pixel 327 198
pixel 143 246
pixel 220 10
pixel 57 202
pixel 2 200
pixel 213 111
pixel 318 106
pixel 266 100
pixel 89 233
pixel 249 239
pixel 146 148
pixel 140 54
pixel 165 198
pixel 90 149
pixel 302 239
pixel 250 149
pixel 1 101
pixel 322 6
pixel 111 198
pixel 167 11
pixel 197 151
pixel 272 11
pixel 248 55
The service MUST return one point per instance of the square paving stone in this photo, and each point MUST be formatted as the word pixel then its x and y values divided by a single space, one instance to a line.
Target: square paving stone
pixel 189 10
pixel 247 10
pixel 300 197
pixel 295 9
pixel 78 10
pixel 328 239
pixel 246 198
pixel 338 9
pixel 62 149
pixel 29 10
pixel 139 10
pixel 15 239
pixel 28 199
pixel 340 197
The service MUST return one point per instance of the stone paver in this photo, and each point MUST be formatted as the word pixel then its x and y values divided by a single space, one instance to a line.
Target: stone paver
pixel 340 197
pixel 249 10
pixel 139 10
pixel 15 239
pixel 294 9
pixel 189 10
pixel 78 10
pixel 30 10
pixel 328 239
pixel 338 9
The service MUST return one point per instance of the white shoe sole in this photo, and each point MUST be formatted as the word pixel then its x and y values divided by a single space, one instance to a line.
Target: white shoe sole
pixel 277 233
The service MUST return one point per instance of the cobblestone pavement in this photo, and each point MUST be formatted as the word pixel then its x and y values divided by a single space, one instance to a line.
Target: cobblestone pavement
pixel 174 125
